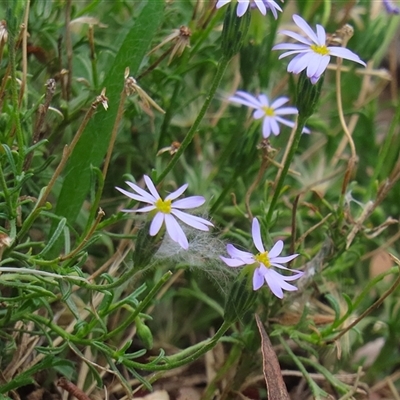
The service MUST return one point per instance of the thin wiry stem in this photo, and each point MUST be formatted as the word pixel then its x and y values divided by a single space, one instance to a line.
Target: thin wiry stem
pixel 290 155
pixel 14 99
pixel 287 149
pixel 192 131
pixel 264 165
pixel 66 154
pixel 352 160
pixel 340 111
pixel 68 44
pixel 24 53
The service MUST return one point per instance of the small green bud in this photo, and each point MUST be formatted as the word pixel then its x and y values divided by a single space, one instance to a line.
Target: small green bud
pixel 240 298
pixel 234 31
pixel 307 95
pixel 144 334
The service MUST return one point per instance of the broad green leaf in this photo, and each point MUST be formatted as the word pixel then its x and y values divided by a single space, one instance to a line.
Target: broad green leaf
pixel 93 144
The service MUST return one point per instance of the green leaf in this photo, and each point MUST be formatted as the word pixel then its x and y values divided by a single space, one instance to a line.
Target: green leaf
pixel 334 304
pixel 54 237
pixel 93 144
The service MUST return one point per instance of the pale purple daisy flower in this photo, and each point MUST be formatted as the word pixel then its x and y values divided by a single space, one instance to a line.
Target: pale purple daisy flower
pixel 390 7
pixel 271 112
pixel 265 261
pixel 312 53
pixel 167 210
pixel 262 5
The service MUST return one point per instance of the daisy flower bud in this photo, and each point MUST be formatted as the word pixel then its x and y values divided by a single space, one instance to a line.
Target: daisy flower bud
pixel 234 32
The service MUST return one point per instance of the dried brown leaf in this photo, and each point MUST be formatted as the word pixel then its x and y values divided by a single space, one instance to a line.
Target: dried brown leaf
pixel 276 387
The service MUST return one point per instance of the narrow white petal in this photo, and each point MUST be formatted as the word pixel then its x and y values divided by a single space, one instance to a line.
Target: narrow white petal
pixel 297 275
pixel 261 6
pixel 263 100
pixel 242 7
pixel 177 193
pixel 274 282
pixel 315 64
pixel 291 53
pixel 322 66
pixel 191 220
pixel 266 128
pixel 280 266
pixel 279 102
pixel 276 249
pixel 136 197
pixel 259 113
pixel 298 63
pixel 286 111
pixel 238 100
pixel 273 7
pixel 285 122
pixel 245 98
pixel 297 37
pixel 346 53
pixel 256 233
pixel 193 217
pixel 274 13
pixel 151 187
pixel 175 231
pixel 258 279
pixel 145 209
pixel 321 35
pixel 283 284
pixel 302 24
pixel 314 79
pixel 156 223
pixel 232 262
pixel 189 202
pixel 246 95
pixel 274 126
pixel 292 46
pixel 245 256
pixel 142 192
pixel 280 260
pixel 221 3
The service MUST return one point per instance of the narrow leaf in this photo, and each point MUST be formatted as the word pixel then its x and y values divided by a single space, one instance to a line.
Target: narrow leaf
pixel 93 144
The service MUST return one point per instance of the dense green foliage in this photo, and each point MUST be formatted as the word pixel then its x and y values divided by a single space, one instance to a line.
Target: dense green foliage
pixel 88 295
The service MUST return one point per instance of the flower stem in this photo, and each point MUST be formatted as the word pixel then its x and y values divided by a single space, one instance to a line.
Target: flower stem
pixel 14 97
pixel 290 155
pixel 183 357
pixel 143 304
pixel 192 131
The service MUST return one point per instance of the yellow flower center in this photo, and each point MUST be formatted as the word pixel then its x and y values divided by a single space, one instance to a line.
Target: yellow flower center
pixel 163 206
pixel 269 112
pixel 322 50
pixel 263 258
